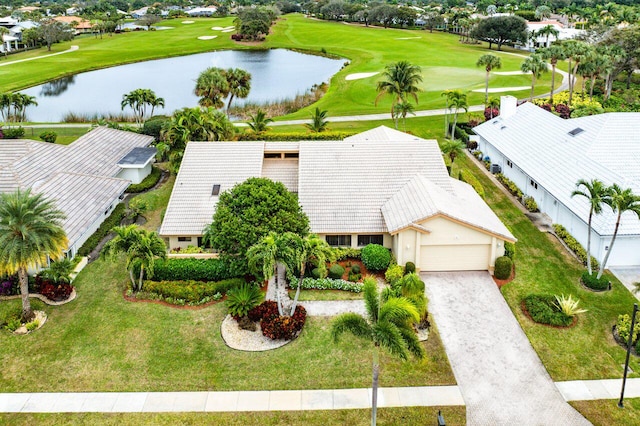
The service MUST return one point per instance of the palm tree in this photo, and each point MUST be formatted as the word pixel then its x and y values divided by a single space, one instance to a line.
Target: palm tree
pixel 489 62
pixel 536 66
pixel 576 51
pixel 30 234
pixel 401 110
pixel 596 194
pixel 543 12
pixel 259 122
pixel 138 100
pixel 453 148
pixel 458 102
pixel 388 324
pixel 319 121
pixel 262 260
pixel 239 82
pixel 494 103
pixel 141 248
pixel 3 31
pixel 212 87
pixel 547 31
pixel 621 201
pixel 401 79
pixel 553 54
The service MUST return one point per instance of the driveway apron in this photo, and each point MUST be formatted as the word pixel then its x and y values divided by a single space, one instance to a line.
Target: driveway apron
pixel 499 374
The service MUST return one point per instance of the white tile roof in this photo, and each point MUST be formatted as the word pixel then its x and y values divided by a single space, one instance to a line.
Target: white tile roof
pixel 283 170
pixel 383 133
pixel 539 143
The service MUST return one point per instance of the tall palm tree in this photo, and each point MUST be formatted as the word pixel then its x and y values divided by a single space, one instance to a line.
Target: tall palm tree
pixel 401 110
pixel 212 87
pixel 489 62
pixel 388 324
pixel 536 66
pixel 621 201
pixel 458 102
pixel 262 259
pixel 596 194
pixel 140 247
pixel 548 30
pixel 401 80
pixel 3 31
pixel 259 121
pixel 138 100
pixel 576 51
pixel 30 233
pixel 553 54
pixel 319 121
pixel 453 148
pixel 239 82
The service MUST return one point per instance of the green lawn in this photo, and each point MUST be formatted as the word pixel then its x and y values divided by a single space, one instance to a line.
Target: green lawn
pixel 325 295
pixel 66 135
pixel 605 412
pixel 454 416
pixel 446 63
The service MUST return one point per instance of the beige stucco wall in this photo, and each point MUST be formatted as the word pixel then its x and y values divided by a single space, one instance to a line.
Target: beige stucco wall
pixel 174 243
pixel 387 239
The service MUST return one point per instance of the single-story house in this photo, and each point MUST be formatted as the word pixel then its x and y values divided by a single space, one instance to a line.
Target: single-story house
pixel 84 178
pixel 80 25
pixel 542 40
pixel 202 11
pixel 546 155
pixel 381 186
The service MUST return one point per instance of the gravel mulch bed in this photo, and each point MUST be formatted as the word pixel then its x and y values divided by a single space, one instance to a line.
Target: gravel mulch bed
pixel 245 340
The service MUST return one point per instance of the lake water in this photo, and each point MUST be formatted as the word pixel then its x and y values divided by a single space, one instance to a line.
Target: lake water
pixel 276 74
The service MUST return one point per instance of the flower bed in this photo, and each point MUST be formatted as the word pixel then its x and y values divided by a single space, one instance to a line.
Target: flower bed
pixel 275 326
pixel 592 282
pixel 543 310
pixel 327 284
pixel 187 292
pixel 574 245
pixel 50 290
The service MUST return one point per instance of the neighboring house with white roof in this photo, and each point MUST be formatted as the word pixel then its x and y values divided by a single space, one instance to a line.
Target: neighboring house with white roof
pixel 546 155
pixel 84 178
pixel 202 11
pixel 381 186
pixel 542 40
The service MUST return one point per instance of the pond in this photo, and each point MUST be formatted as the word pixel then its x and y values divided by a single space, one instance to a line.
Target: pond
pixel 276 75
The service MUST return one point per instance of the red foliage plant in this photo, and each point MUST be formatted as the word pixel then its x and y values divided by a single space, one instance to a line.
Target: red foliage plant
pixel 275 326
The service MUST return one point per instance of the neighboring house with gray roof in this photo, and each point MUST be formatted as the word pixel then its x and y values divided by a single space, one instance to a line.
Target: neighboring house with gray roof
pixel 546 155
pixel 380 186
pixel 84 178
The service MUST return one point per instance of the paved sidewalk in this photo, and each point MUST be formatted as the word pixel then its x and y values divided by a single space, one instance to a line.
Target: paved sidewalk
pixel 71 49
pixel 587 390
pixel 291 400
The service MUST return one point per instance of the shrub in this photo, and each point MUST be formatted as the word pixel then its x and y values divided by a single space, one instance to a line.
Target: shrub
pixel 113 220
pixel 297 137
pixel 154 125
pixel 355 269
pixel 503 268
pixel 530 204
pixel 574 245
pixel 13 133
pixel 393 274
pixel 466 176
pixel 593 282
pixel 327 284
pixel 13 324
pixel 409 268
pixel 147 183
pixel 30 326
pixel 336 271
pixel 48 136
pixel 284 327
pixel 315 273
pixel 197 269
pixel 346 253
pixel 375 257
pixel 240 300
pixel 569 305
pixel 56 292
pixel 543 310
pixel 191 292
pixel 509 249
pixel 510 185
pixel 623 326
pixel 9 287
pixel 354 277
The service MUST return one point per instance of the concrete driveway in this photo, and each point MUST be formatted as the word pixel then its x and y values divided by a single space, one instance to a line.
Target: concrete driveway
pixel 628 277
pixel 499 374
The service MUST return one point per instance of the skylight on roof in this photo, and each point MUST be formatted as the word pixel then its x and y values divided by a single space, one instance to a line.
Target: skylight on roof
pixel 576 131
pixel 215 190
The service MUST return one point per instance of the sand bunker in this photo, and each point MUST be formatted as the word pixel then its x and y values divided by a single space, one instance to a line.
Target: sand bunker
pixel 503 89
pixel 207 37
pixel 510 73
pixel 360 75
pixel 407 38
pixel 188 22
pixel 228 30
pixel 217 28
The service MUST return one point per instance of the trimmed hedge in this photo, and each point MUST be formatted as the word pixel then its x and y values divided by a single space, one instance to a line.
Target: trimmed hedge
pixel 346 253
pixel 191 292
pixel 593 282
pixel 510 185
pixel 623 327
pixel 466 176
pixel 543 310
pixel 375 257
pixel 197 269
pixel 503 268
pixel 327 284
pixel 147 183
pixel 509 249
pixel 296 137
pixel 112 221
pixel 409 268
pixel 574 245
pixel 336 271
pixel 12 133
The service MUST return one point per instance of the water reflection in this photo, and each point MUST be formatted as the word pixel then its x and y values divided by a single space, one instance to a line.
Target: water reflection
pixel 57 87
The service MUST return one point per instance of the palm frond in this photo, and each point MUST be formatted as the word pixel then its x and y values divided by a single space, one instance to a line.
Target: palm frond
pixel 352 323
pixel 399 310
pixel 371 298
pixel 411 340
pixel 388 335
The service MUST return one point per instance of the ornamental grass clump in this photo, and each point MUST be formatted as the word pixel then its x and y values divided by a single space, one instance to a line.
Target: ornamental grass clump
pixel 568 305
pixel 543 309
pixel 241 300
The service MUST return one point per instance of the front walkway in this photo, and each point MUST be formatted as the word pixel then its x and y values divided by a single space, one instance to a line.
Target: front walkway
pixel 628 277
pixel 499 374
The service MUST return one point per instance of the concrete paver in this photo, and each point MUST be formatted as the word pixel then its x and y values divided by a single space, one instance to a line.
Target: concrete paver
pixel 499 374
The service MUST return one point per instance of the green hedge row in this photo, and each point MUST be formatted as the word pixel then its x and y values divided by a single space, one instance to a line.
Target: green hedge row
pixel 147 183
pixel 510 185
pixel 327 284
pixel 346 253
pixel 191 292
pixel 466 176
pixel 113 220
pixel 298 136
pixel 543 310
pixel 197 269
pixel 574 245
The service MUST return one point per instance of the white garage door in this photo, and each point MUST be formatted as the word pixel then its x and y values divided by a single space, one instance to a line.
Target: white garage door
pixel 455 258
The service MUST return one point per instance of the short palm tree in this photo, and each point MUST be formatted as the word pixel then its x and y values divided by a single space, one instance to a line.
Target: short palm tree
pixel 30 234
pixel 140 247
pixel 319 121
pixel 536 66
pixel 239 82
pixel 401 110
pixel 388 324
pixel 453 148
pixel 621 201
pixel 401 80
pixel 259 121
pixel 458 102
pixel 138 100
pixel 263 258
pixel 489 62
pixel 596 194
pixel 212 87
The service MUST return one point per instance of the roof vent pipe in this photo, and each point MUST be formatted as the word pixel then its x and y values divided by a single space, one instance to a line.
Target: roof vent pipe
pixel 508 106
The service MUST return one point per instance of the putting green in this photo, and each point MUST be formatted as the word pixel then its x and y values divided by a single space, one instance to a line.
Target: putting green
pixel 443 78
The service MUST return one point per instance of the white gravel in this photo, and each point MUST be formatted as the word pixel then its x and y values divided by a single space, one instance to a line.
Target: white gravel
pixel 245 340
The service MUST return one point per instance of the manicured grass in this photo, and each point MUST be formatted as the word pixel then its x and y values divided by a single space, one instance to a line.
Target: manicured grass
pixel 455 415
pixel 66 135
pixel 605 412
pixel 325 295
pixel 100 342
pixel 446 63
pixel 586 351
pixel 157 201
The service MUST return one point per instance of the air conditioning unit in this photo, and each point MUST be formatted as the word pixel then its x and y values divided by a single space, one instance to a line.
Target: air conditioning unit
pixel 495 168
